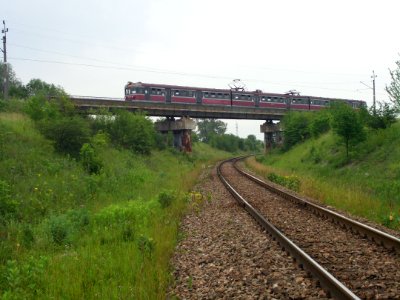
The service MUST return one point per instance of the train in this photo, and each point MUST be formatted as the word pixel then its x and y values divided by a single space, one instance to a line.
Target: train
pixel 162 93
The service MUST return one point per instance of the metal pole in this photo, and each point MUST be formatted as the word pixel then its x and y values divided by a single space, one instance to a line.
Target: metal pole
pixel 373 89
pixel 5 83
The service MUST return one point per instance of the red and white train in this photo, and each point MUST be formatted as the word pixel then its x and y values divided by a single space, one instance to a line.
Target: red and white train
pixel 161 93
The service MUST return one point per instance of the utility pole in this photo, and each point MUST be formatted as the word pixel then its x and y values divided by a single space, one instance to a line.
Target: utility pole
pixel 373 89
pixel 4 50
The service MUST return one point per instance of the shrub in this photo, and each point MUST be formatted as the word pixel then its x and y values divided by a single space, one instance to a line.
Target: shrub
pixel 68 133
pixel 8 206
pixel 146 245
pixel 39 108
pixel 133 131
pixel 23 280
pixel 90 160
pixel 165 198
pixel 296 128
pixel 320 123
pixel 291 182
pixel 60 229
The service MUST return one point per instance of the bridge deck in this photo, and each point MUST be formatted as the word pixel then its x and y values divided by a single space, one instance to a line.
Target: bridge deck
pixel 179 110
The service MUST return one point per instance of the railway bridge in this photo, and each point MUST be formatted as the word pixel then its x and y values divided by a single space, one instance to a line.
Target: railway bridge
pixel 183 126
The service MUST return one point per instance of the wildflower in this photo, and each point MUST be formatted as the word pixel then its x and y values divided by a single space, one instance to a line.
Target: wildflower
pixel 36 189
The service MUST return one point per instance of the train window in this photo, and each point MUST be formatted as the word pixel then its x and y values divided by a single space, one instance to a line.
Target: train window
pixel 212 95
pixel 176 93
pixel 269 99
pixel 205 95
pixel 262 98
pixel 236 96
pixel 326 103
pixel 127 91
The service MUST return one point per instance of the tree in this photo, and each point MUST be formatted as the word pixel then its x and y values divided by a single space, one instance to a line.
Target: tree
pixel 346 123
pixel 394 88
pixel 68 133
pixel 251 143
pixel 133 131
pixel 296 128
pixel 383 116
pixel 320 123
pixel 207 128
pixel 16 88
pixel 39 87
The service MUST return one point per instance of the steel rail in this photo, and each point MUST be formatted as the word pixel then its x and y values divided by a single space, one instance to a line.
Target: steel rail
pixel 335 288
pixel 388 241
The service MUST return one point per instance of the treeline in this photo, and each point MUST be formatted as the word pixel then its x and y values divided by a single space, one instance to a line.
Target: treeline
pixel 350 125
pixel 213 132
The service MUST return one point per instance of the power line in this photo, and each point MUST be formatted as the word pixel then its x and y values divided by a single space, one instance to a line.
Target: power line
pixel 144 69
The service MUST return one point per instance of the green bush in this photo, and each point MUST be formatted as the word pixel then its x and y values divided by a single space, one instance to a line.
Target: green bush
pixel 133 131
pixel 320 123
pixel 23 280
pixel 60 229
pixel 166 198
pixel 68 133
pixel 296 128
pixel 146 245
pixel 291 182
pixel 8 206
pixel 90 160
pixel 39 108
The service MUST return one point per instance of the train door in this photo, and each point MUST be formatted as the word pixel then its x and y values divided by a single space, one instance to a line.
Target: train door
pixel 288 102
pixel 147 93
pixel 168 95
pixel 256 99
pixel 199 97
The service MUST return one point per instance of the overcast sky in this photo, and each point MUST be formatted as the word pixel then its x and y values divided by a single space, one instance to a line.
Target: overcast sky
pixel 320 48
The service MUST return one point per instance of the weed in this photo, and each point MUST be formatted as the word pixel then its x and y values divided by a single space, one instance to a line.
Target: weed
pixel 146 245
pixel 165 198
pixel 60 229
pixel 23 280
pixel 291 182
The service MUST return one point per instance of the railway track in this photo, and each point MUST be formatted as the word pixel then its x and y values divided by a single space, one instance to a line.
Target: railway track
pixel 349 259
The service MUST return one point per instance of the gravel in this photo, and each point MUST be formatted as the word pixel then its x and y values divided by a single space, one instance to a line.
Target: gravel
pixel 369 270
pixel 224 254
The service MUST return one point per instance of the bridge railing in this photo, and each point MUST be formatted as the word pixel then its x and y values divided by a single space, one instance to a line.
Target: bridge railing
pixel 96 98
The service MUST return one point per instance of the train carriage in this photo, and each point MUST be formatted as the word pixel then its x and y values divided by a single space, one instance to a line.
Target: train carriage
pixel 161 93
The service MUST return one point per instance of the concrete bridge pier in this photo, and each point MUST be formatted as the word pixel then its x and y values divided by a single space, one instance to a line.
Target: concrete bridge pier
pixel 181 129
pixel 272 134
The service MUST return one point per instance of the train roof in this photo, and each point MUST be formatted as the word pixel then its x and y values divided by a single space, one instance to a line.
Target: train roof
pixel 141 84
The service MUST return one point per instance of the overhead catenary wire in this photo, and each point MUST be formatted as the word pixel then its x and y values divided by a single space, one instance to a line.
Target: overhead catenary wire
pixel 130 68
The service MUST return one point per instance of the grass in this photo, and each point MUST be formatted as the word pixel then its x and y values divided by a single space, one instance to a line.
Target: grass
pixel 367 185
pixel 66 234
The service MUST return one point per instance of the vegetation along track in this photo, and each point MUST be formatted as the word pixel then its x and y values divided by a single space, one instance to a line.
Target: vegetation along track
pixel 369 267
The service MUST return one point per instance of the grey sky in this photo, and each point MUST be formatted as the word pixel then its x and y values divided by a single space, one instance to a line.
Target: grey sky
pixel 321 48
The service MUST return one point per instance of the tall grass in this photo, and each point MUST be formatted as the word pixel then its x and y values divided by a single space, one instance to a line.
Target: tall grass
pixel 367 185
pixel 68 234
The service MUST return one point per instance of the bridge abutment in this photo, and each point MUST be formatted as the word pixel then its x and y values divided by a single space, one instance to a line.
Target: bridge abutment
pixel 272 134
pixel 181 129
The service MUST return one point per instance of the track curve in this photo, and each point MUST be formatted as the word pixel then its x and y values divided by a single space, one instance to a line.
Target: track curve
pixel 368 269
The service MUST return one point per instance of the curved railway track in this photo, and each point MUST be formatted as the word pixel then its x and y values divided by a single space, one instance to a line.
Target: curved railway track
pixel 349 259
